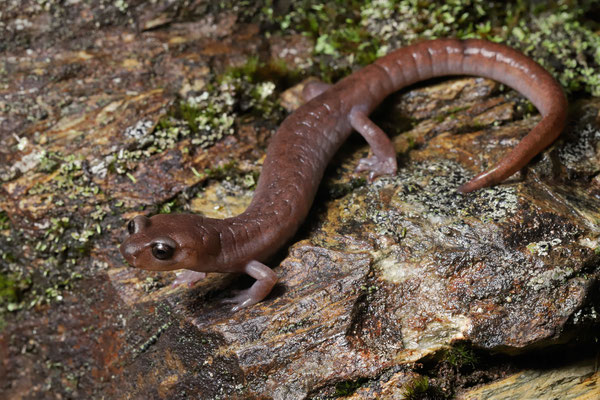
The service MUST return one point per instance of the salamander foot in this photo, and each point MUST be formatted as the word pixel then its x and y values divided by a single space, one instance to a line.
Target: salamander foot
pixel 265 280
pixel 377 167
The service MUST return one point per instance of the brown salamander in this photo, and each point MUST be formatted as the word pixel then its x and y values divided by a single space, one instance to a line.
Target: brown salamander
pixel 307 140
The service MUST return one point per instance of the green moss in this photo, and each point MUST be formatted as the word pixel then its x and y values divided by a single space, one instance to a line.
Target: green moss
pixel 369 289
pixel 420 389
pixel 208 116
pixel 247 71
pixel 460 355
pixel 203 119
pixel 552 33
pixel 167 208
pixel 355 33
pixel 152 339
pixel 336 29
pixel 347 388
pixel 164 123
pixel 58 276
pixel 222 171
pixel 206 119
pixel 450 114
pixel 71 181
pixel 456 110
pixel 563 45
pixel 4 221
pixel 401 22
pixel 440 118
pixel 295 326
pixel 191 114
pixel 253 86
pixel 49 161
pixel 416 388
pixel 11 290
pixel 250 180
pixel 256 71
pixel 64 236
pixel 338 190
pixel 70 188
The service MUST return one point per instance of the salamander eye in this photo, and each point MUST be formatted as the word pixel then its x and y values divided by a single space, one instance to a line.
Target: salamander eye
pixel 162 251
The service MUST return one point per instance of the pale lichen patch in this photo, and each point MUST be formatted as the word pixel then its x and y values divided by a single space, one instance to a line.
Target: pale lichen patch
pixel 396 271
pixel 590 243
pixel 28 161
pixel 139 131
pixel 428 190
pixel 583 151
pixel 545 280
pixel 543 247
pixel 436 334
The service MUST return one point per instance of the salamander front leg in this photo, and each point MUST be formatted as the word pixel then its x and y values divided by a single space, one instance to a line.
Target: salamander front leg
pixel 265 280
pixel 383 161
pixel 188 278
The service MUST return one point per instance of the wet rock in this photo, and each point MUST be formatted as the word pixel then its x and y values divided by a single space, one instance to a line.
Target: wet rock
pixel 396 270
pixel 574 381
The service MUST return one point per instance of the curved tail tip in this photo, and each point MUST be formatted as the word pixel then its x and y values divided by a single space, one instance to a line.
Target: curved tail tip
pixel 474 184
pixel 483 179
pixel 466 188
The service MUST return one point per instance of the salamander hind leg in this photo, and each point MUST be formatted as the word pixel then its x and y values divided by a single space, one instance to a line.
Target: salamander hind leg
pixel 265 280
pixel 314 88
pixel 383 161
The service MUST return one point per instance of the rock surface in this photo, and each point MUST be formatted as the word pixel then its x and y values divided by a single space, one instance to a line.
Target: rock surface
pixel 380 277
pixel 579 381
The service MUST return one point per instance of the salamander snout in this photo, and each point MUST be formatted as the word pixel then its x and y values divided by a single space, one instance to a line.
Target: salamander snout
pixel 131 248
pixel 129 251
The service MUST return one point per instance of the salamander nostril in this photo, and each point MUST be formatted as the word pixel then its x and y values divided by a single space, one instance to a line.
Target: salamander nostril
pixel 131 227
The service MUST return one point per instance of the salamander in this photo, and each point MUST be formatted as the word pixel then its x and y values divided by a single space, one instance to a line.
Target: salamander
pixel 306 141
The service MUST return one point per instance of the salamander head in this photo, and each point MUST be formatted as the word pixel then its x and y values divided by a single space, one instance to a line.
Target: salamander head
pixel 168 242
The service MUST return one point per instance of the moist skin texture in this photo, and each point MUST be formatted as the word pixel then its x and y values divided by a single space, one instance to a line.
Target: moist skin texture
pixel 306 141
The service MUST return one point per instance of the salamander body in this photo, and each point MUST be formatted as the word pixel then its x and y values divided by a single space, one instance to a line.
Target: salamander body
pixel 307 139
